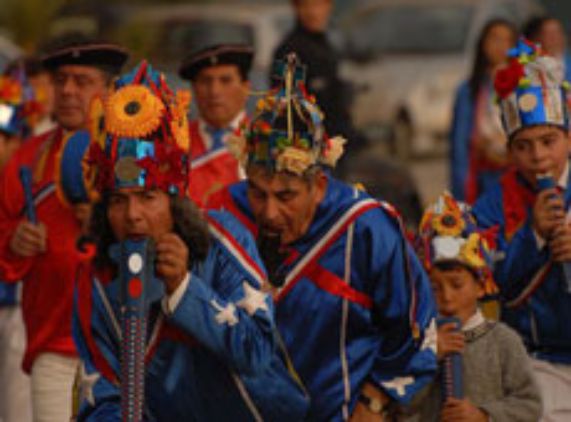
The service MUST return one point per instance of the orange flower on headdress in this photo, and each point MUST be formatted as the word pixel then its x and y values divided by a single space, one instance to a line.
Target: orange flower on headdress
pixel 97 122
pixel 180 132
pixel 10 90
pixel 133 112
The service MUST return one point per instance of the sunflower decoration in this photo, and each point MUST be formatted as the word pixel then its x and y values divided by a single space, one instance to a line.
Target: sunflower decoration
pixel 133 111
pixel 449 223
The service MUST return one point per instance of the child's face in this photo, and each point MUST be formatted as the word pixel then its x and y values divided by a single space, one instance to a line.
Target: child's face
pixel 457 292
pixel 538 150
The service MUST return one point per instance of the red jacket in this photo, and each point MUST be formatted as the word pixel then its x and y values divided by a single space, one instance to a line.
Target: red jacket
pixel 210 170
pixel 48 278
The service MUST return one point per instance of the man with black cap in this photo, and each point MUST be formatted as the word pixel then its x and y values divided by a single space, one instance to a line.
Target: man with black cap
pixel 219 78
pixel 41 250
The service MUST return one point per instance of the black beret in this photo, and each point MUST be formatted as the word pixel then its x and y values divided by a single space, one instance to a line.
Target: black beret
pixel 106 56
pixel 240 55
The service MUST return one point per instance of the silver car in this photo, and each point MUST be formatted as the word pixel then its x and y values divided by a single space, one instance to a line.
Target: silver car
pixel 408 57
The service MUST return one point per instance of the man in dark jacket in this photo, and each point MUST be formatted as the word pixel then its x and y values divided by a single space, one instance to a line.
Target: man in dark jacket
pixel 309 41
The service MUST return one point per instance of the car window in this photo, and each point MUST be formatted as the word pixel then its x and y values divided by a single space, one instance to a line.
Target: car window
pixel 412 29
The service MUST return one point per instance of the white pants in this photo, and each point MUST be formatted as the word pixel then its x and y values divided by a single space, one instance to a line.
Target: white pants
pixel 52 384
pixel 15 400
pixel 554 382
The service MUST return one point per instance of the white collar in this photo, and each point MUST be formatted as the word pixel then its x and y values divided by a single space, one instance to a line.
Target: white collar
pixel 473 321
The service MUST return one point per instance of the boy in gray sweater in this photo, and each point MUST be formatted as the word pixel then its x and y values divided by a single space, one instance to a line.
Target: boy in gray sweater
pixel 496 379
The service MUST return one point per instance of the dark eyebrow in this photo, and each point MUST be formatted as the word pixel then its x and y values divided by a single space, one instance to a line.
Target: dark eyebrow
pixel 253 185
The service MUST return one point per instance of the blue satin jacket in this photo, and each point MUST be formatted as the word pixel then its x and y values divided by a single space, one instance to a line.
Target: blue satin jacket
pixel 361 311
pixel 534 298
pixel 214 359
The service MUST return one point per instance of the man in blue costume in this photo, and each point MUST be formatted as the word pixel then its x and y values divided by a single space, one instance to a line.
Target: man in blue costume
pixel 532 220
pixel 210 344
pixel 353 305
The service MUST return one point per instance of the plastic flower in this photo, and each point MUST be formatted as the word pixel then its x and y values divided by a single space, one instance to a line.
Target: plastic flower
pixel 10 90
pixel 470 252
pixel 133 112
pixel 97 122
pixel 294 160
pixel 508 78
pixel 333 151
pixel 181 135
pixel 449 223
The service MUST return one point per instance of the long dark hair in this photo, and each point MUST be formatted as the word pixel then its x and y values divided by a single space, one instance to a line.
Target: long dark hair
pixel 481 62
pixel 188 224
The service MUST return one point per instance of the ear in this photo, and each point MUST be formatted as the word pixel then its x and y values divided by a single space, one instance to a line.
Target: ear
pixel 321 182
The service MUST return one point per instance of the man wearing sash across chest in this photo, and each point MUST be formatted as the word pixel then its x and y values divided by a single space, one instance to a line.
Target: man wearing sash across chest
pixel 529 207
pixel 41 253
pixel 353 305
pixel 219 79
pixel 208 344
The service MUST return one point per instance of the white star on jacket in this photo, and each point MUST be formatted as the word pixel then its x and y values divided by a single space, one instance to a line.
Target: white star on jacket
pixel 226 314
pixel 430 337
pixel 399 384
pixel 86 383
pixel 253 299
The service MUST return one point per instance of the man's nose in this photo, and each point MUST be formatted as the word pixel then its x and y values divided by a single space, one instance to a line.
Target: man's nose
pixel 68 86
pixel 271 210
pixel 134 209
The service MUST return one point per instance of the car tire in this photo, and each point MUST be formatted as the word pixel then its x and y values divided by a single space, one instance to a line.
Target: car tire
pixel 402 136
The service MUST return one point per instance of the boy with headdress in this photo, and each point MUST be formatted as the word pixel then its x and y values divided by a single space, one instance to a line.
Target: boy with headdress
pixel 529 208
pixel 495 376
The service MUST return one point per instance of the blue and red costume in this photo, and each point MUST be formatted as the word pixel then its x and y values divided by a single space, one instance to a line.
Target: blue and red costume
pixel 535 301
pixel 356 305
pixel 213 358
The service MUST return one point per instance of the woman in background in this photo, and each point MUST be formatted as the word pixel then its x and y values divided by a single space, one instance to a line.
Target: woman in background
pixel 478 144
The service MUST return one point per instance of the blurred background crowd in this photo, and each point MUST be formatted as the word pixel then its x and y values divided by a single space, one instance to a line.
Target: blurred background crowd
pixel 399 64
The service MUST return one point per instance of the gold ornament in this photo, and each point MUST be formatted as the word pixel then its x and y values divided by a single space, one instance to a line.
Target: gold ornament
pixel 97 122
pixel 180 132
pixel 470 252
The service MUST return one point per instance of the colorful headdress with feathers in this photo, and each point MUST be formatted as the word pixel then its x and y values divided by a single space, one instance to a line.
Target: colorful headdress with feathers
pixel 19 108
pixel 448 233
pixel 138 137
pixel 287 132
pixel 531 89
